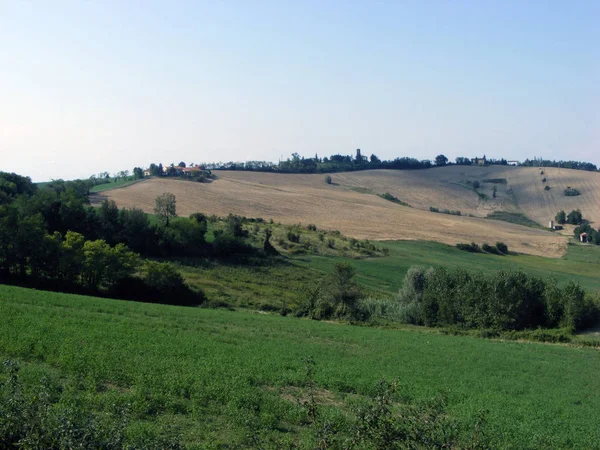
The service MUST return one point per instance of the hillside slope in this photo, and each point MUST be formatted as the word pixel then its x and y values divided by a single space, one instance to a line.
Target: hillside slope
pixel 349 206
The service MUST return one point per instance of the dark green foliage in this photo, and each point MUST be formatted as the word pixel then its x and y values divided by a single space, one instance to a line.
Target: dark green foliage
pixel 441 160
pixel 472 247
pixel 328 179
pixel 577 165
pixel 575 217
pixel 502 247
pixel 138 173
pixel 571 192
pixel 311 227
pixel 13 185
pixel 391 198
pixel 544 180
pixel 489 249
pixel 445 211
pixel 546 188
pixel 561 217
pixel 502 300
pixel 476 184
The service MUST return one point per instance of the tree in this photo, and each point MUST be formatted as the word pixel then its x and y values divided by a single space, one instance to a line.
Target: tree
pixel 165 207
pixel 561 217
pixel 328 179
pixel 181 164
pixel 575 217
pixel 138 173
pixel 374 159
pixel 344 291
pixel 441 160
pixel 494 190
pixel 359 158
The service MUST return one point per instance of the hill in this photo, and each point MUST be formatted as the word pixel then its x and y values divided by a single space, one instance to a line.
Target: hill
pixel 223 379
pixel 351 206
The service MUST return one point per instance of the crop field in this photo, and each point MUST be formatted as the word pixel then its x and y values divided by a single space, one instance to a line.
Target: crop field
pixel 349 205
pixel 212 376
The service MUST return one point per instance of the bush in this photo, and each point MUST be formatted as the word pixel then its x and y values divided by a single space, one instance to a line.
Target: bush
pixel 489 249
pixel 546 188
pixel 502 247
pixel 472 247
pixel 571 192
pixel 476 184
pixel 498 301
pixel 328 179
pixel 391 198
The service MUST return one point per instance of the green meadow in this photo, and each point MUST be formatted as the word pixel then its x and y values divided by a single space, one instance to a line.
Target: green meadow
pixel 281 282
pixel 212 378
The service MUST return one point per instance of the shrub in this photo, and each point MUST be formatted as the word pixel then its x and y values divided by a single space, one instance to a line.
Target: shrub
pixel 311 227
pixel 498 301
pixel 546 188
pixel 476 184
pixel 489 248
pixel 544 180
pixel 561 218
pixel 391 198
pixel 502 247
pixel 571 192
pixel 472 247
pixel 293 236
pixel 328 179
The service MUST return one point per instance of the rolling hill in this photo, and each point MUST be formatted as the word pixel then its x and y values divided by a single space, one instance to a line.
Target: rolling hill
pixel 351 206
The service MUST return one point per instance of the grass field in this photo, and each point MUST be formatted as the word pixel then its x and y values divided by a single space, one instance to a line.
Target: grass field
pixel 208 375
pixel 281 283
pixel 348 206
pixel 113 184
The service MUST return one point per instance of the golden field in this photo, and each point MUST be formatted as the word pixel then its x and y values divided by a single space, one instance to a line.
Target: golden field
pixel 349 204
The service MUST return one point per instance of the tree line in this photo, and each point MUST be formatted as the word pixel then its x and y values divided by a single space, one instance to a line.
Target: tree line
pixel 51 237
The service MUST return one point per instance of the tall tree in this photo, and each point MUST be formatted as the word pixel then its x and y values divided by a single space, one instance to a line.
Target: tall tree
pixel 441 160
pixel 166 206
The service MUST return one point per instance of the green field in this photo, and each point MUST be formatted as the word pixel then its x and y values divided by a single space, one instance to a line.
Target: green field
pixel 211 376
pixel 113 184
pixel 281 282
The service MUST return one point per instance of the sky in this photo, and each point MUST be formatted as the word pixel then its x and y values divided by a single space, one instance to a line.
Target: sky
pixel 93 86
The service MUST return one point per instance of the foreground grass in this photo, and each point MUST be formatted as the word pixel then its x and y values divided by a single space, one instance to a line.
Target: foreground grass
pixel 207 374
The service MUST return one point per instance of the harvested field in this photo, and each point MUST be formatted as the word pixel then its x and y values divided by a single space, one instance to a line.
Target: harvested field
pixel 347 205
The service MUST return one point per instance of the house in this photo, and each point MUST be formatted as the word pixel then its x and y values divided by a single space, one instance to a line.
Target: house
pixel 147 173
pixel 583 237
pixel 512 163
pixel 478 161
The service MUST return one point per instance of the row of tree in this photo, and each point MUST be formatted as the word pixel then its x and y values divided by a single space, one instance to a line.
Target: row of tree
pixel 500 300
pixel 577 165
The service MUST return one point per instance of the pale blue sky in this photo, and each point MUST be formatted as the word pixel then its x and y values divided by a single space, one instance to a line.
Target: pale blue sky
pixel 106 85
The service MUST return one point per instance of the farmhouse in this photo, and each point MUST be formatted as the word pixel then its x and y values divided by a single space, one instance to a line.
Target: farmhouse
pixel 147 173
pixel 479 161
